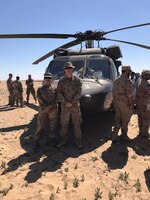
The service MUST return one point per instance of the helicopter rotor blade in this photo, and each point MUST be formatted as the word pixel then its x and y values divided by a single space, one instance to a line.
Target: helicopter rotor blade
pixel 67 45
pixel 38 35
pixel 128 27
pixel 132 43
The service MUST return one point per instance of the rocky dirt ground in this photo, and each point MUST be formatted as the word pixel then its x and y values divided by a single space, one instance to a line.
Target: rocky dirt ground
pixel 101 170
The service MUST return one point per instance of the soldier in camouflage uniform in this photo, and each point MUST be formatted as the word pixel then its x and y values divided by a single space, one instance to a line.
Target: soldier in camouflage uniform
pixel 30 88
pixel 48 112
pixel 69 92
pixel 143 104
pixel 18 91
pixel 122 103
pixel 10 87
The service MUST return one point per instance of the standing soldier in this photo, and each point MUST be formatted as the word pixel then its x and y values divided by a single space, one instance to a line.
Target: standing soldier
pixel 10 87
pixel 143 104
pixel 47 98
pixel 18 91
pixel 69 92
pixel 122 102
pixel 30 88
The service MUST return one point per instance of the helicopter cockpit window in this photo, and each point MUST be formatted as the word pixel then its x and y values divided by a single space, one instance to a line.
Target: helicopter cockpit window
pixel 79 66
pixel 98 68
pixel 56 68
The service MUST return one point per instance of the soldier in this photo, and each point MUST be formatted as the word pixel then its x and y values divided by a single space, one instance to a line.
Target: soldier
pixel 30 88
pixel 143 104
pixel 18 91
pixel 47 98
pixel 69 91
pixel 10 87
pixel 122 102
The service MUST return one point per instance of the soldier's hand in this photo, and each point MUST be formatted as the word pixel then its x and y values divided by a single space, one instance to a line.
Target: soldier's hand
pixel 68 105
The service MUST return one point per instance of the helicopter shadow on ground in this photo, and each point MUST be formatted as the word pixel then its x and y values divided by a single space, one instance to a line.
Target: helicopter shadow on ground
pixel 96 131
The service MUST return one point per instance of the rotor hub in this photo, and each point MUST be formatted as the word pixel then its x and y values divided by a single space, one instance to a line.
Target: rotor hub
pixel 90 35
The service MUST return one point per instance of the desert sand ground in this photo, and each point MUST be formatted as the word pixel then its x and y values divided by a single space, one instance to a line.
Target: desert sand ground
pixel 101 170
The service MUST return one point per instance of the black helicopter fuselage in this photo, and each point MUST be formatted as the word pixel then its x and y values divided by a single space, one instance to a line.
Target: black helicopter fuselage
pixel 97 73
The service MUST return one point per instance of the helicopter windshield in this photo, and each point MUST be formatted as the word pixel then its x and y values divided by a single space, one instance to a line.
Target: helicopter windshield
pixel 98 68
pixel 84 68
pixel 56 68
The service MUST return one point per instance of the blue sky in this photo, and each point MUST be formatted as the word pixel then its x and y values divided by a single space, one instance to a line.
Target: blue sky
pixel 45 16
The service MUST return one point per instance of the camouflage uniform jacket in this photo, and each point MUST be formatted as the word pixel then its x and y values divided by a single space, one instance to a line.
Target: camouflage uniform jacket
pixel 143 93
pixel 29 83
pixel 17 86
pixel 47 96
pixel 10 84
pixel 122 89
pixel 69 89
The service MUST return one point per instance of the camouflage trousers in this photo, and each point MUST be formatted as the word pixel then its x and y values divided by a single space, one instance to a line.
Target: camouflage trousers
pixel 75 114
pixel 123 114
pixel 49 117
pixel 143 119
pixel 32 91
pixel 11 98
pixel 18 98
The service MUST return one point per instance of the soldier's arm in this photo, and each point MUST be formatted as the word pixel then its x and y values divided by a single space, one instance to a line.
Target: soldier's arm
pixel 146 88
pixel 60 94
pixel 129 93
pixel 78 93
pixel 31 83
pixel 21 88
pixel 40 99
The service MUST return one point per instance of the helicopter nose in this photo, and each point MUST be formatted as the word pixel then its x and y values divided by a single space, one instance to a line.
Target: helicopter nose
pixel 87 98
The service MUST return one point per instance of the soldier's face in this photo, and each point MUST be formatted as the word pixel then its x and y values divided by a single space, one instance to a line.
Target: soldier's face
pixel 69 71
pixel 48 81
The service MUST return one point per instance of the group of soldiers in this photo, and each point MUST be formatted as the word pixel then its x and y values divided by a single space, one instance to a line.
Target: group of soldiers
pixel 67 96
pixel 123 100
pixel 15 90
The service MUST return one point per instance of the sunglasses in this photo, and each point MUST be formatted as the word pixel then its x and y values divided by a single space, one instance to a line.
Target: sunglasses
pixel 68 68
pixel 47 78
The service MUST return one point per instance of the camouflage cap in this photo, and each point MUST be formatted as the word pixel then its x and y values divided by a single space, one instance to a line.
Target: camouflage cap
pixel 145 72
pixel 68 65
pixel 126 67
pixel 47 75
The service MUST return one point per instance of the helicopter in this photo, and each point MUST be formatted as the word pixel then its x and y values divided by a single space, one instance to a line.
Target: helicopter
pixel 96 67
